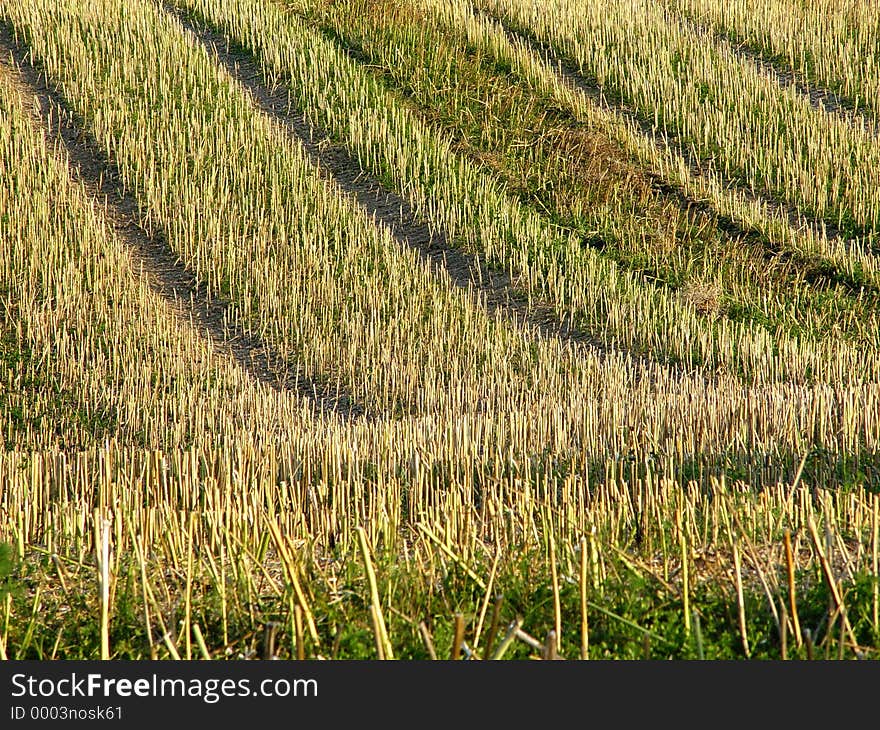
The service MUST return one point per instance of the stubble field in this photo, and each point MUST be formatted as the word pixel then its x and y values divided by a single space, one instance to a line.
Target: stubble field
pixel 432 328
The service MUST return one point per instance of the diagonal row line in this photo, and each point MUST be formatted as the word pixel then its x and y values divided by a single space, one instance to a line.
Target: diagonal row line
pixel 820 98
pixel 152 253
pixel 468 271
pixel 571 75
pixel 766 248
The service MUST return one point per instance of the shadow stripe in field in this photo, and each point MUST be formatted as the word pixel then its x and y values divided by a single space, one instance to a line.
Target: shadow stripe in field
pixel 569 73
pixel 466 270
pixel 820 98
pixel 770 252
pixel 167 276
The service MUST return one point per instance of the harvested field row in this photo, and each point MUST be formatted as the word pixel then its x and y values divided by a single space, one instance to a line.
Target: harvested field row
pixel 249 549
pixel 583 180
pixel 234 234
pixel 467 271
pixel 828 49
pixel 555 266
pixel 151 252
pixel 316 344
pixel 89 327
pixel 776 406
pixel 548 74
pixel 776 144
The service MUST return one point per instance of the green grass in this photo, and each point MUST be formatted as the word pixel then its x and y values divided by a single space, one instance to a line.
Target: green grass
pixel 634 615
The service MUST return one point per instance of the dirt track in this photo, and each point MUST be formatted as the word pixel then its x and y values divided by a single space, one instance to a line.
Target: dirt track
pixel 466 270
pixel 698 167
pixel 151 252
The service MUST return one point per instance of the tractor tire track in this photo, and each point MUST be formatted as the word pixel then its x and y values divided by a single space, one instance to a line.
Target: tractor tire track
pixel 769 251
pixel 466 271
pixel 572 76
pixel 151 252
pixel 820 98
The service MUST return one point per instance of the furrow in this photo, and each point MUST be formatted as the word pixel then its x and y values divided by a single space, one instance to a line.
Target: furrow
pixel 468 271
pixel 151 252
pixel 820 98
pixel 571 75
